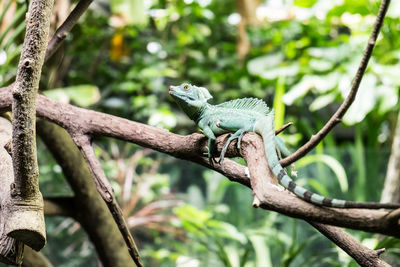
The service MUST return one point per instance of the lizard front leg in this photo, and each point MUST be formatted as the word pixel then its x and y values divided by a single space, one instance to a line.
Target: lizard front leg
pixel 211 142
pixel 238 134
pixel 239 129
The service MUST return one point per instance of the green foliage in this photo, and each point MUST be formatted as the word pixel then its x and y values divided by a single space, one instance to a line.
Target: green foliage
pixel 82 95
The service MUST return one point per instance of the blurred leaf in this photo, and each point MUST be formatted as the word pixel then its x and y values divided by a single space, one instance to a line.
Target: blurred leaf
pixel 296 92
pixel 278 103
pixel 226 230
pixel 129 12
pixel 196 196
pixel 387 98
pixel 263 256
pixel 83 95
pixel 276 72
pixel 163 118
pixel 332 163
pixel 322 101
pixel 332 54
pixel 318 186
pixel 305 3
pixel 320 65
pixel 364 102
pixel 257 65
pixel 217 185
pixel 191 214
pixel 388 242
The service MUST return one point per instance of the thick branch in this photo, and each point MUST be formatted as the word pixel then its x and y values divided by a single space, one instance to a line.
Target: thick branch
pixel 337 117
pixel 189 147
pixel 27 222
pixel 24 97
pixel 363 255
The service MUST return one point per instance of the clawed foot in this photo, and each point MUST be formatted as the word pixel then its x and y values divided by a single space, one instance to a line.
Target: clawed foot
pixel 211 156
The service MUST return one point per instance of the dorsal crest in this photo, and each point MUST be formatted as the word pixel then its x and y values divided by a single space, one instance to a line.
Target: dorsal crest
pixel 254 104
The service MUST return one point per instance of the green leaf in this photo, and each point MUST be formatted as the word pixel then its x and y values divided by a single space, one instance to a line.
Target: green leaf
pixel 83 95
pixel 192 214
pixel 278 104
pixel 305 3
pixel 226 230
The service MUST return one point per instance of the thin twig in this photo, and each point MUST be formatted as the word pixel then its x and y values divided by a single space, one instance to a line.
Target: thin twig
pixel 66 27
pixel 106 192
pixel 284 127
pixel 337 117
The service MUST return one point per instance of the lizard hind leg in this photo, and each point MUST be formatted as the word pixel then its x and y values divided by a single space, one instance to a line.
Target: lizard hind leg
pixel 238 134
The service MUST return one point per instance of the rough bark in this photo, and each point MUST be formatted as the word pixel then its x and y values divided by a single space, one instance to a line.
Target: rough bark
pixel 363 255
pixel 89 209
pixel 26 220
pixel 11 250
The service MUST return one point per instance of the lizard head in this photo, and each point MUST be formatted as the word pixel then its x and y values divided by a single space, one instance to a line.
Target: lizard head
pixel 188 93
pixel 190 98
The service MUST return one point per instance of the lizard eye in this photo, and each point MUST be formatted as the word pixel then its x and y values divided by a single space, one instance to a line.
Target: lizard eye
pixel 186 87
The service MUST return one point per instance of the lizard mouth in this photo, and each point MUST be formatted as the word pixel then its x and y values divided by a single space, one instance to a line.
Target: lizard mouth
pixel 170 90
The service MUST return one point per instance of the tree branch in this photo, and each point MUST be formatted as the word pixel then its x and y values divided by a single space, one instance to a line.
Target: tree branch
pixel 337 117
pixel 66 27
pixel 26 221
pixel 106 192
pixel 362 255
pixel 11 250
pixel 78 120
pixel 62 31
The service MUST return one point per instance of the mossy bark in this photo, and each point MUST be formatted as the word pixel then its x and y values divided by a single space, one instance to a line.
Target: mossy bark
pixel 26 219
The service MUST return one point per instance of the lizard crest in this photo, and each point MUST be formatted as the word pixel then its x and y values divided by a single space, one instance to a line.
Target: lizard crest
pixel 254 104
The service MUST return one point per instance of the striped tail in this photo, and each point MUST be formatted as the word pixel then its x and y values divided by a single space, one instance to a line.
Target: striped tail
pixel 265 127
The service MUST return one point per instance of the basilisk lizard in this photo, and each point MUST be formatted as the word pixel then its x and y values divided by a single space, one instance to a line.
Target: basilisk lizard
pixel 250 115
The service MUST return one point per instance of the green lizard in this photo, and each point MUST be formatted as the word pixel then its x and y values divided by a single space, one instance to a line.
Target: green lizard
pixel 249 115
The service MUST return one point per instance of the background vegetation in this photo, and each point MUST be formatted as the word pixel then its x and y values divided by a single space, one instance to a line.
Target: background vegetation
pixel 299 56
